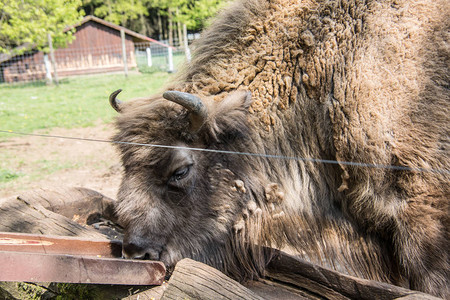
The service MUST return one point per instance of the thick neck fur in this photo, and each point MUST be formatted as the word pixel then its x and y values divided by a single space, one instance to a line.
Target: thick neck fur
pixel 294 205
pixel 339 80
pixel 293 123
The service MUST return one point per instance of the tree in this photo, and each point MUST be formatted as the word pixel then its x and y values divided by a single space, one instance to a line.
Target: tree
pixel 30 21
pixel 192 13
pixel 121 11
pixel 159 17
pixel 195 14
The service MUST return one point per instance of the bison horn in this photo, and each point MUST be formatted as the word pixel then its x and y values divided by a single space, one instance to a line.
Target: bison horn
pixel 193 104
pixel 115 103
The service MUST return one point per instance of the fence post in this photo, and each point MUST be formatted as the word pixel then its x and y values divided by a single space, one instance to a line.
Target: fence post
pixel 52 58
pixel 48 71
pixel 186 44
pixel 149 56
pixel 169 49
pixel 124 52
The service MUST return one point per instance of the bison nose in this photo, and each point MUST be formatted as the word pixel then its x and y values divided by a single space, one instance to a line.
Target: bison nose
pixel 131 250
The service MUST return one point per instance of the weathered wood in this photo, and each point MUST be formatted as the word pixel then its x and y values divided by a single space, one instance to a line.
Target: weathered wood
pixel 45 244
pixel 151 293
pixel 417 297
pixel 82 205
pixel 331 284
pixel 271 290
pixel 195 280
pixel 27 213
pixel 65 211
pixel 39 267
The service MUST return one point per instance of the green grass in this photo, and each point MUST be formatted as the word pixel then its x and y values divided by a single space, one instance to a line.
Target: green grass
pixel 160 62
pixel 7 175
pixel 75 102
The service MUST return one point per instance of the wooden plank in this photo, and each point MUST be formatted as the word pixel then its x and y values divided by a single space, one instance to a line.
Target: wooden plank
pixel 38 267
pixel 331 284
pixel 195 280
pixel 21 242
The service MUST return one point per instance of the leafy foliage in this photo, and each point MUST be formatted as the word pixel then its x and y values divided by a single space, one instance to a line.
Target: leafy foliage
pixel 120 11
pixel 193 13
pixel 30 21
pixel 25 24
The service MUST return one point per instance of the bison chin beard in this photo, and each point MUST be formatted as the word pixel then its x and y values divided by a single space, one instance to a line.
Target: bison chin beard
pixel 231 256
pixel 212 253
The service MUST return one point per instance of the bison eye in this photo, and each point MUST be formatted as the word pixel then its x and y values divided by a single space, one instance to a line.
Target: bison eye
pixel 180 173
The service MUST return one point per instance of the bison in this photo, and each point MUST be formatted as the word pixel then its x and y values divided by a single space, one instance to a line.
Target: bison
pixel 321 126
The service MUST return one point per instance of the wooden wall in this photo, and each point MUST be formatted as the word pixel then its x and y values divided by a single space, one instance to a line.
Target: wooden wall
pixel 97 48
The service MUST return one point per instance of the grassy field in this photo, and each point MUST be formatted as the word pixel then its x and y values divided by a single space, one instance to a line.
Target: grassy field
pixel 75 102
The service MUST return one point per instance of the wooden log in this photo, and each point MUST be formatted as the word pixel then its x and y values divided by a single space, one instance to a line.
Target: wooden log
pixel 331 284
pixel 271 290
pixel 195 280
pixel 81 205
pixel 28 214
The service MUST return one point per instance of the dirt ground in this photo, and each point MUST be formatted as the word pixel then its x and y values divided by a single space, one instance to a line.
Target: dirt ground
pixel 55 162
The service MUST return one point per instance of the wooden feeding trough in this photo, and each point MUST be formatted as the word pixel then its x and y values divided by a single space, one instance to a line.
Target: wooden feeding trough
pixel 58 236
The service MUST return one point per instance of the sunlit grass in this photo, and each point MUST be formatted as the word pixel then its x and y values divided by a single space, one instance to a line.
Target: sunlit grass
pixel 75 102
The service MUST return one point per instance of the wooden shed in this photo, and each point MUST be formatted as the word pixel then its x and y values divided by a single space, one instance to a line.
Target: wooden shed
pixel 97 48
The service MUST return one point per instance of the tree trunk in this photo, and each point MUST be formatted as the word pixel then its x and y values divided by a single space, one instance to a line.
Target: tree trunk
pixel 180 36
pixel 160 28
pixel 52 59
pixel 170 27
pixel 108 3
pixel 143 29
pixel 187 51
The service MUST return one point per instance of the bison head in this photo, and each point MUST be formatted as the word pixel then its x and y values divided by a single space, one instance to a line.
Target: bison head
pixel 176 200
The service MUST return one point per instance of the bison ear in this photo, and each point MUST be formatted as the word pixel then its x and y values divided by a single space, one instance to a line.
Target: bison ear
pixel 230 115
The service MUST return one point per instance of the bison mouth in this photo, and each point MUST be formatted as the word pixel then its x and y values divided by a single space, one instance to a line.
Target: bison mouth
pixel 209 253
pixel 154 252
pixel 141 249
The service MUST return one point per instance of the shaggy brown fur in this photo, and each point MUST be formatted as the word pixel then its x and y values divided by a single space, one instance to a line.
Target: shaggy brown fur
pixel 361 81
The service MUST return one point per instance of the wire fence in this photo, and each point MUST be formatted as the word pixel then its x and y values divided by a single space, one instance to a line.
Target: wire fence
pixel 36 66
pixel 262 155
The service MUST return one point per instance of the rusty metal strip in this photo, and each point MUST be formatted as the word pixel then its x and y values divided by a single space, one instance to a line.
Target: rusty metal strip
pixel 38 267
pixel 22 242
